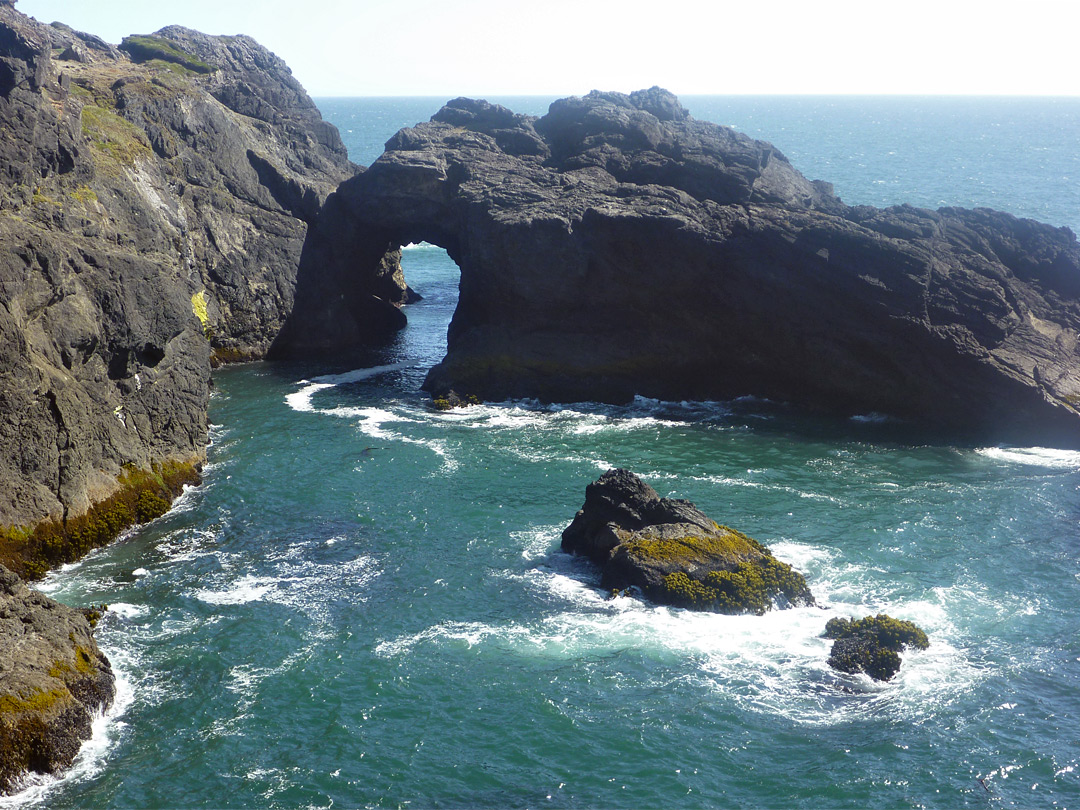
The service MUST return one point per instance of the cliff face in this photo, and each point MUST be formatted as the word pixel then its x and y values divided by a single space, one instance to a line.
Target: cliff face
pixel 153 206
pixel 617 246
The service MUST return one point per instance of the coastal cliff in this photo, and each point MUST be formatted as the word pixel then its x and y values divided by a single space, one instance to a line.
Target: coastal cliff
pixel 616 246
pixel 155 200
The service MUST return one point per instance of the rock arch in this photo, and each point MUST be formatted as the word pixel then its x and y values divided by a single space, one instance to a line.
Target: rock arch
pixel 616 246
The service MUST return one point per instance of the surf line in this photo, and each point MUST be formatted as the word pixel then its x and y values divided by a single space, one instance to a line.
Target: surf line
pixel 301 400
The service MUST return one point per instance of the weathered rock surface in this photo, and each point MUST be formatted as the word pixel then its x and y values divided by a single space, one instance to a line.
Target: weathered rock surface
pixel 53 680
pixel 673 554
pixel 149 215
pixel 617 246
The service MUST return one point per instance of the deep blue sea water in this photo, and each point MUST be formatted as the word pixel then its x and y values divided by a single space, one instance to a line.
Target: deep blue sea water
pixel 364 605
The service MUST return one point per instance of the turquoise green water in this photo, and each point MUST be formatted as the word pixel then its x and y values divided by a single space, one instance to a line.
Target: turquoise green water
pixel 364 605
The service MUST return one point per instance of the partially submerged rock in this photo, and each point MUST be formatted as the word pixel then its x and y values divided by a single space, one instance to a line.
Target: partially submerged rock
pixel 872 644
pixel 674 554
pixel 53 679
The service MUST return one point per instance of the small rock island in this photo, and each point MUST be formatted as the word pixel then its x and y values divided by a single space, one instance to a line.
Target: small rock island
pixel 673 554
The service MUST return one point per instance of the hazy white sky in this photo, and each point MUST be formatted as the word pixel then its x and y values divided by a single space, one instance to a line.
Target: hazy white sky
pixel 564 47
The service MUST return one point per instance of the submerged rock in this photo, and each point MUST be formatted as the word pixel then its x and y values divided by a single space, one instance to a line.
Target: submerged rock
pixel 616 246
pixel 53 680
pixel 872 645
pixel 675 555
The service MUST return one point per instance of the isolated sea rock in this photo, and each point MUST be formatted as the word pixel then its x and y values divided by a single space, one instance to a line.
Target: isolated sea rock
pixel 152 218
pixel 53 680
pixel 616 246
pixel 872 645
pixel 673 554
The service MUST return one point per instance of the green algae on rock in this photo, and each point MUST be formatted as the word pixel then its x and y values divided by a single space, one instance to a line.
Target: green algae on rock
pixel 872 644
pixel 673 554
pixel 142 496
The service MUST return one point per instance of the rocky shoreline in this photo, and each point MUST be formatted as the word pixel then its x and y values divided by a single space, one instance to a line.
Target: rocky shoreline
pixel 53 681
pixel 155 201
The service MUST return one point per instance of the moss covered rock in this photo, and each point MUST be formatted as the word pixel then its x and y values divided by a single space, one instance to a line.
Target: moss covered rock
pixel 872 645
pixel 673 554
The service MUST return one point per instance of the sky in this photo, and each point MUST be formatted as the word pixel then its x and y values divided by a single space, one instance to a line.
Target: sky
pixel 569 47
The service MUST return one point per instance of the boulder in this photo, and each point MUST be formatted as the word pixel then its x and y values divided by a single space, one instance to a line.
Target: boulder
pixel 872 645
pixel 671 553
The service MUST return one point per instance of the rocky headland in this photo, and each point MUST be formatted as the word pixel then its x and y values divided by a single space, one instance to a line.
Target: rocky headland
pixel 155 200
pixel 616 246
pixel 673 554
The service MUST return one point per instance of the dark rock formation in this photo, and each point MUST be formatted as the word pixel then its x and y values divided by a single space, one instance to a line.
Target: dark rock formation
pixel 149 216
pixel 53 680
pixel 872 645
pixel 675 555
pixel 616 246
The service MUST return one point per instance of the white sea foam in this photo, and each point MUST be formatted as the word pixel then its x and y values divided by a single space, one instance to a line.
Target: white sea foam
pixel 774 663
pixel 537 543
pixel 128 611
pixel 302 400
pixel 1036 456
pixel 248 588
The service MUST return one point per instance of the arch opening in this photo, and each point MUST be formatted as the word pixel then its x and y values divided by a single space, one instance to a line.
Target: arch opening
pixel 435 279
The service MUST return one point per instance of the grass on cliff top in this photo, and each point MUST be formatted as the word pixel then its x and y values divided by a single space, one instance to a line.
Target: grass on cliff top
pixel 143 496
pixel 146 48
pixel 117 141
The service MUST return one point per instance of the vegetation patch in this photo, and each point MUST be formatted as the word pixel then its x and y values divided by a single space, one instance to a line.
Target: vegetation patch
pixel 198 306
pixel 872 644
pixel 118 142
pixel 226 355
pixel 147 49
pixel 142 497
pixel 36 702
pixel 175 68
pixel 83 194
pixel 451 399
pixel 755 581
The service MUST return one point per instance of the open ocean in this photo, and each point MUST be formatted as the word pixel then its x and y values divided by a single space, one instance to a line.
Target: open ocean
pixel 365 604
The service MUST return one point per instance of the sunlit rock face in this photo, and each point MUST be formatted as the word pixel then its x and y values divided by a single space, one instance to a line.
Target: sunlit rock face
pixel 616 246
pixel 154 204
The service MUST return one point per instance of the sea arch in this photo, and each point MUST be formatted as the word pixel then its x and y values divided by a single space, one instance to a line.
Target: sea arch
pixel 618 247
